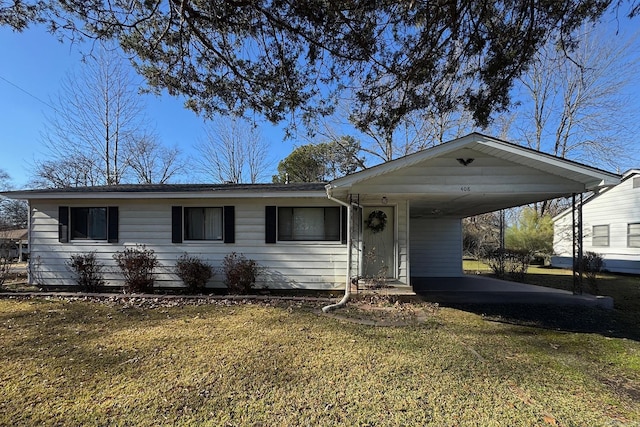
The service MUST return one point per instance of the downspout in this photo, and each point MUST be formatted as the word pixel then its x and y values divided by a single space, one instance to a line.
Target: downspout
pixel 347 287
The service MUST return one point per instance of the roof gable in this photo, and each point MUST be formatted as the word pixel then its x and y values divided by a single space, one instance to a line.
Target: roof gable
pixel 591 177
pixel 472 175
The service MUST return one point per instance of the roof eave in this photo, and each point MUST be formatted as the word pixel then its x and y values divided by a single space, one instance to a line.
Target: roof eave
pixel 27 195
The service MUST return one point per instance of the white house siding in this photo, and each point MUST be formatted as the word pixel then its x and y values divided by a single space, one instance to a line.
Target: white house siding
pixel 616 207
pixel 291 265
pixel 436 247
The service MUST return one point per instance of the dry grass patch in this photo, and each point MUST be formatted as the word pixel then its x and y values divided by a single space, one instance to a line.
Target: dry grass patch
pixel 85 363
pixel 382 310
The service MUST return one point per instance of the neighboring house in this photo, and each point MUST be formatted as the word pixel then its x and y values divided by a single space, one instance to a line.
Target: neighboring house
pixel 397 221
pixel 14 244
pixel 611 227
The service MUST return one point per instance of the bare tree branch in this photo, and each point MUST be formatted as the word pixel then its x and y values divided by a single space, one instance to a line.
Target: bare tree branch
pixel 233 152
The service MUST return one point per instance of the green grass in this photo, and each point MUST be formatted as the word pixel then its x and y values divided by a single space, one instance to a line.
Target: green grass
pixel 84 363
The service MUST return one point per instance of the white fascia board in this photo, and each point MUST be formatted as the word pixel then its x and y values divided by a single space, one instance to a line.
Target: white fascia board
pixel 164 195
pixel 595 178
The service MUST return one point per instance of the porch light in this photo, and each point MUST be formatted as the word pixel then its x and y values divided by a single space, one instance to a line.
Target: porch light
pixel 384 200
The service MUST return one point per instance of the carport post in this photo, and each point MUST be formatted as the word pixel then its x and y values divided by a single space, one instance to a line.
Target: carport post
pixel 578 266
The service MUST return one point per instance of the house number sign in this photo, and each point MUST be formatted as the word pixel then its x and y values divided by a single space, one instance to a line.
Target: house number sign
pixel 465 188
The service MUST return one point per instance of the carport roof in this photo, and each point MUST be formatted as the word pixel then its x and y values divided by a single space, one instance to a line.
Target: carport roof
pixel 473 175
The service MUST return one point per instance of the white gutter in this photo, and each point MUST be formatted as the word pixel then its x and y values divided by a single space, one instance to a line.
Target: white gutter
pixel 347 287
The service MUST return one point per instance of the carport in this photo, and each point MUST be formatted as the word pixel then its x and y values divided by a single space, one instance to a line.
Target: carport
pixel 427 194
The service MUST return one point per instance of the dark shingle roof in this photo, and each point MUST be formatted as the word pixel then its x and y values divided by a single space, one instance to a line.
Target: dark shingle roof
pixel 182 188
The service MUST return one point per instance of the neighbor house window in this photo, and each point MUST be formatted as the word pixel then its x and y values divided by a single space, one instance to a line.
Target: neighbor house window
pixel 309 223
pixel 89 223
pixel 203 223
pixel 600 235
pixel 633 235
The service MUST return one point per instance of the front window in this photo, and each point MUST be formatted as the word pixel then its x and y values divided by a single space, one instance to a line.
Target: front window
pixel 633 235
pixel 600 235
pixel 202 223
pixel 309 224
pixel 89 223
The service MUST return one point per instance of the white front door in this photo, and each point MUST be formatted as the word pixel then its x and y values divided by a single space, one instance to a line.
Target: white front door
pixel 378 237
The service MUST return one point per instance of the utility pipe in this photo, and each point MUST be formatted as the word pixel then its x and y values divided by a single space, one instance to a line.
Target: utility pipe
pixel 347 288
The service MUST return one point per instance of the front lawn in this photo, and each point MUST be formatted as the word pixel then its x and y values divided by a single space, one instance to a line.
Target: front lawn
pixel 283 363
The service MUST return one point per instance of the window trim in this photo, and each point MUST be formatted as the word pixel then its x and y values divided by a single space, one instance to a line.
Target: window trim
pixel 184 224
pixel 65 225
pixel 178 225
pixel 275 222
pixel 629 235
pixel 593 236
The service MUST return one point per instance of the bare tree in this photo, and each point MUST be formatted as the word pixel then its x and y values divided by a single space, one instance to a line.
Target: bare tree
pixel 576 106
pixel 75 170
pixel 98 114
pixel 5 180
pixel 413 132
pixel 13 213
pixel 153 163
pixel 233 151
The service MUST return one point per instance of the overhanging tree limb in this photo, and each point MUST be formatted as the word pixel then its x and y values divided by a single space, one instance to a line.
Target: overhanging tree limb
pixel 281 57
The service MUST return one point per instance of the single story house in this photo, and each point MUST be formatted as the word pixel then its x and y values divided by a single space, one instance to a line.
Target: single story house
pixel 610 227
pixel 397 221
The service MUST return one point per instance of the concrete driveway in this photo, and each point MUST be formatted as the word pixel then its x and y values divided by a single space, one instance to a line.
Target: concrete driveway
pixel 486 290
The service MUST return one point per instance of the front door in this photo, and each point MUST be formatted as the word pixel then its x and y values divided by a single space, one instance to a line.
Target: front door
pixel 378 237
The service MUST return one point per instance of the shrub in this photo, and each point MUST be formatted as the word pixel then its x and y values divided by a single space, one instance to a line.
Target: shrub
pixel 519 264
pixel 496 260
pixel 240 273
pixel 509 263
pixel 379 278
pixel 194 272
pixel 592 264
pixel 5 270
pixel 137 265
pixel 87 270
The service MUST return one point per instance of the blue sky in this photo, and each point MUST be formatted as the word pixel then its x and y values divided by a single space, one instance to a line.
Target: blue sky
pixel 37 62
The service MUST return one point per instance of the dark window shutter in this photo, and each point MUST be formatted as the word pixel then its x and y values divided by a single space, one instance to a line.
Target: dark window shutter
pixel 176 224
pixel 112 224
pixel 229 216
pixel 270 222
pixel 343 225
pixel 63 224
